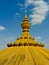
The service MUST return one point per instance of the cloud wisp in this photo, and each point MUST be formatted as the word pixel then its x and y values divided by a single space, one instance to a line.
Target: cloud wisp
pixel 38 37
pixel 39 12
pixel 2 28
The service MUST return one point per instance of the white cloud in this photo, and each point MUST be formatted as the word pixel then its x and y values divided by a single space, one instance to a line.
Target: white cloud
pixel 20 5
pixel 17 14
pixel 21 8
pixel 38 37
pixel 2 28
pixel 39 12
pixel 28 2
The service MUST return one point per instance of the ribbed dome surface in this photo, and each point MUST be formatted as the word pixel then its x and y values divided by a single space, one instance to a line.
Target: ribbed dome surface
pixel 24 55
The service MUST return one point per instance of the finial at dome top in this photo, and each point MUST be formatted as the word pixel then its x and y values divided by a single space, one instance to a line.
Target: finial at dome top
pixel 25 16
pixel 25 24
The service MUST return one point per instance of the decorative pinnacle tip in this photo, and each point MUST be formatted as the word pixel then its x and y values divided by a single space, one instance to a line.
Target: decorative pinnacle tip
pixel 25 16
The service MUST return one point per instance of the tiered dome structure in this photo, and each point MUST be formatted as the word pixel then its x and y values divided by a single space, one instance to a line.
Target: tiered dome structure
pixel 25 50
pixel 25 39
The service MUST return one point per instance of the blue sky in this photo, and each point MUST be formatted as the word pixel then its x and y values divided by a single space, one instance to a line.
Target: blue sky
pixel 12 14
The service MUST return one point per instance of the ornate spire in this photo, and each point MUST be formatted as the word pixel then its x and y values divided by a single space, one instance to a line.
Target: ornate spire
pixel 25 38
pixel 25 16
pixel 25 24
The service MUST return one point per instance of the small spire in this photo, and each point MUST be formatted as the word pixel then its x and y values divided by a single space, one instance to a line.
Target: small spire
pixel 25 16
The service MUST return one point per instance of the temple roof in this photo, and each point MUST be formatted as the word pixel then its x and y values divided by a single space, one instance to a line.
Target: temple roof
pixel 24 55
pixel 25 50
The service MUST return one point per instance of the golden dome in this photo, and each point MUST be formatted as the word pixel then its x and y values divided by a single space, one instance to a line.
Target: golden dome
pixel 24 55
pixel 25 50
